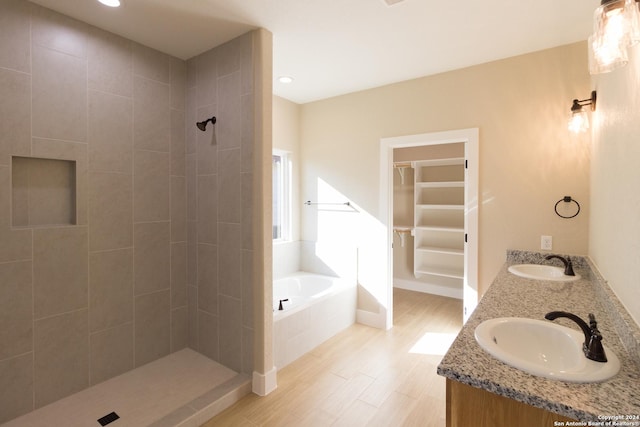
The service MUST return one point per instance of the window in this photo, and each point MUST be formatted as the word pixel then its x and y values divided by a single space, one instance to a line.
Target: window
pixel 281 170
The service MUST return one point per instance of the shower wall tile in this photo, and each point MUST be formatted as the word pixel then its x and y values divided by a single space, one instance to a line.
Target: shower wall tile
pixel 208 335
pixel 192 317
pixel 79 299
pixel 179 328
pixel 58 32
pixel 152 257
pixel 16 245
pixel 207 142
pixel 191 118
pixel 178 209
pixel 151 64
pixel 152 327
pixel 247 289
pixel 247 131
pixel 15 36
pixel 178 83
pixel 247 210
pixel 229 55
pixel 111 352
pixel 110 132
pixel 110 211
pixel 178 275
pixel 191 73
pixel 151 115
pixel 207 208
pixel 219 201
pixel 229 186
pixel 192 253
pixel 16 393
pixel 229 111
pixel 16 306
pixel 230 277
pixel 208 278
pixel 110 288
pixel 230 332
pixel 60 270
pixel 247 350
pixel 110 60
pixel 151 186
pixel 15 110
pixel 246 64
pixel 59 95
pixel 206 82
pixel 61 356
pixel 191 187
pixel 5 197
pixel 177 143
pixel 76 152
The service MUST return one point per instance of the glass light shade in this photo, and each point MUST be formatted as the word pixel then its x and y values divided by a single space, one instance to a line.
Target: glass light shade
pixel 614 24
pixel 579 121
pixel 632 12
pixel 110 3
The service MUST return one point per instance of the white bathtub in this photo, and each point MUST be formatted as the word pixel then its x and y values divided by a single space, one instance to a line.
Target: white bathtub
pixel 318 307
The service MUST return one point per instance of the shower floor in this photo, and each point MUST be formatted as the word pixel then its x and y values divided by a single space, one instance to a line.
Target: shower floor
pixel 183 389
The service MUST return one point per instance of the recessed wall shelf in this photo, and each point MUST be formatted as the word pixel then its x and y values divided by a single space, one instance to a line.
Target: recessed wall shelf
pixel 43 191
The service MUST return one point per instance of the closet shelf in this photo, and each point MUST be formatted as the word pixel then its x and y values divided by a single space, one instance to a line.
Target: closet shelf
pixel 440 184
pixel 443 207
pixel 439 220
pixel 442 272
pixel 435 249
pixel 435 228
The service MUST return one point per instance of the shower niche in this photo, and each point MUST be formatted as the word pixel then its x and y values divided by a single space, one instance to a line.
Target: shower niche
pixel 43 191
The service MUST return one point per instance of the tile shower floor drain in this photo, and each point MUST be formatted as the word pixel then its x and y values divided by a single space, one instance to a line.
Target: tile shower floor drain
pixel 108 419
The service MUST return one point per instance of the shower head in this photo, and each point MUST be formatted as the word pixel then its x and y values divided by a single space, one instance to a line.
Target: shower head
pixel 203 125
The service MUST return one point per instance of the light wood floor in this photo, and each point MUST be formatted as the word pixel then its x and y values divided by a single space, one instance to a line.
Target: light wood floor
pixel 364 376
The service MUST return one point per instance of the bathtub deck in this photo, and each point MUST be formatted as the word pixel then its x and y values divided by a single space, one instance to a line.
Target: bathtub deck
pixel 182 389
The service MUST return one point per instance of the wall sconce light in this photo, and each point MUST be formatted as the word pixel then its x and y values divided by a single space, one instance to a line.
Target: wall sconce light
pixel 579 121
pixel 616 27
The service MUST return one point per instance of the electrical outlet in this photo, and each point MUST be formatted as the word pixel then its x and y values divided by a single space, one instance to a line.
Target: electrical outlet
pixel 546 243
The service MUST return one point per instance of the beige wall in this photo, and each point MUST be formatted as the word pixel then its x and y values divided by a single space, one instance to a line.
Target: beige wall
pixel 614 243
pixel 528 160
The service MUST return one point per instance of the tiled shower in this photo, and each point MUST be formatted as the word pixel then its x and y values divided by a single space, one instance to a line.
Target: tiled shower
pixel 125 232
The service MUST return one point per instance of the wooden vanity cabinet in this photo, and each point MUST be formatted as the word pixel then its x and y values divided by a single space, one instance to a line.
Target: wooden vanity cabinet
pixel 469 406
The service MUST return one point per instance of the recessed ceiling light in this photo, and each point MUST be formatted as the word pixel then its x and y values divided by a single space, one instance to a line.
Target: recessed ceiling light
pixel 285 79
pixel 110 3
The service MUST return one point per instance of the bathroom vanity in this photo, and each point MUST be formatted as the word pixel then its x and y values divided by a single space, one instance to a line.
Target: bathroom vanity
pixel 483 391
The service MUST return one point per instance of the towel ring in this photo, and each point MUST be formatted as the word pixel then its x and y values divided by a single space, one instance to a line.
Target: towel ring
pixel 567 199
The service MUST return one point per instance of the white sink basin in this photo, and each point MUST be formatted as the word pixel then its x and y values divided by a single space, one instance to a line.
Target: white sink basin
pixel 543 348
pixel 542 272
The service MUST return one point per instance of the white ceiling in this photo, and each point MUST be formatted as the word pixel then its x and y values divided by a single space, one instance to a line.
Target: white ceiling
pixel 332 47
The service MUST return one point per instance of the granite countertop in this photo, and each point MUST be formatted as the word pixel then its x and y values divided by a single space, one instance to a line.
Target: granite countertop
pixel 513 296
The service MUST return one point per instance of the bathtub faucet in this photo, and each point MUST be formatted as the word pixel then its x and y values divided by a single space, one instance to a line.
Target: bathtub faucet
pixel 280 306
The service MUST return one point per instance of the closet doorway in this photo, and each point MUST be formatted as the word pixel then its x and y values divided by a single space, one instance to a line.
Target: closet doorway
pixel 436 220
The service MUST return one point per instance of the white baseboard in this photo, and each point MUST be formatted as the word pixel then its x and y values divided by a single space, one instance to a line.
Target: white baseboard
pixel 375 320
pixel 264 384
pixel 428 288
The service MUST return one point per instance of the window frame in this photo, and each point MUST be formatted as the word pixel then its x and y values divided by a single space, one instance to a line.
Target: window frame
pixel 281 192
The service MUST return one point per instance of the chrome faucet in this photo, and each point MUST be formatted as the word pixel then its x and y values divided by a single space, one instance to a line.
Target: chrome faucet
pixel 568 266
pixel 592 346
